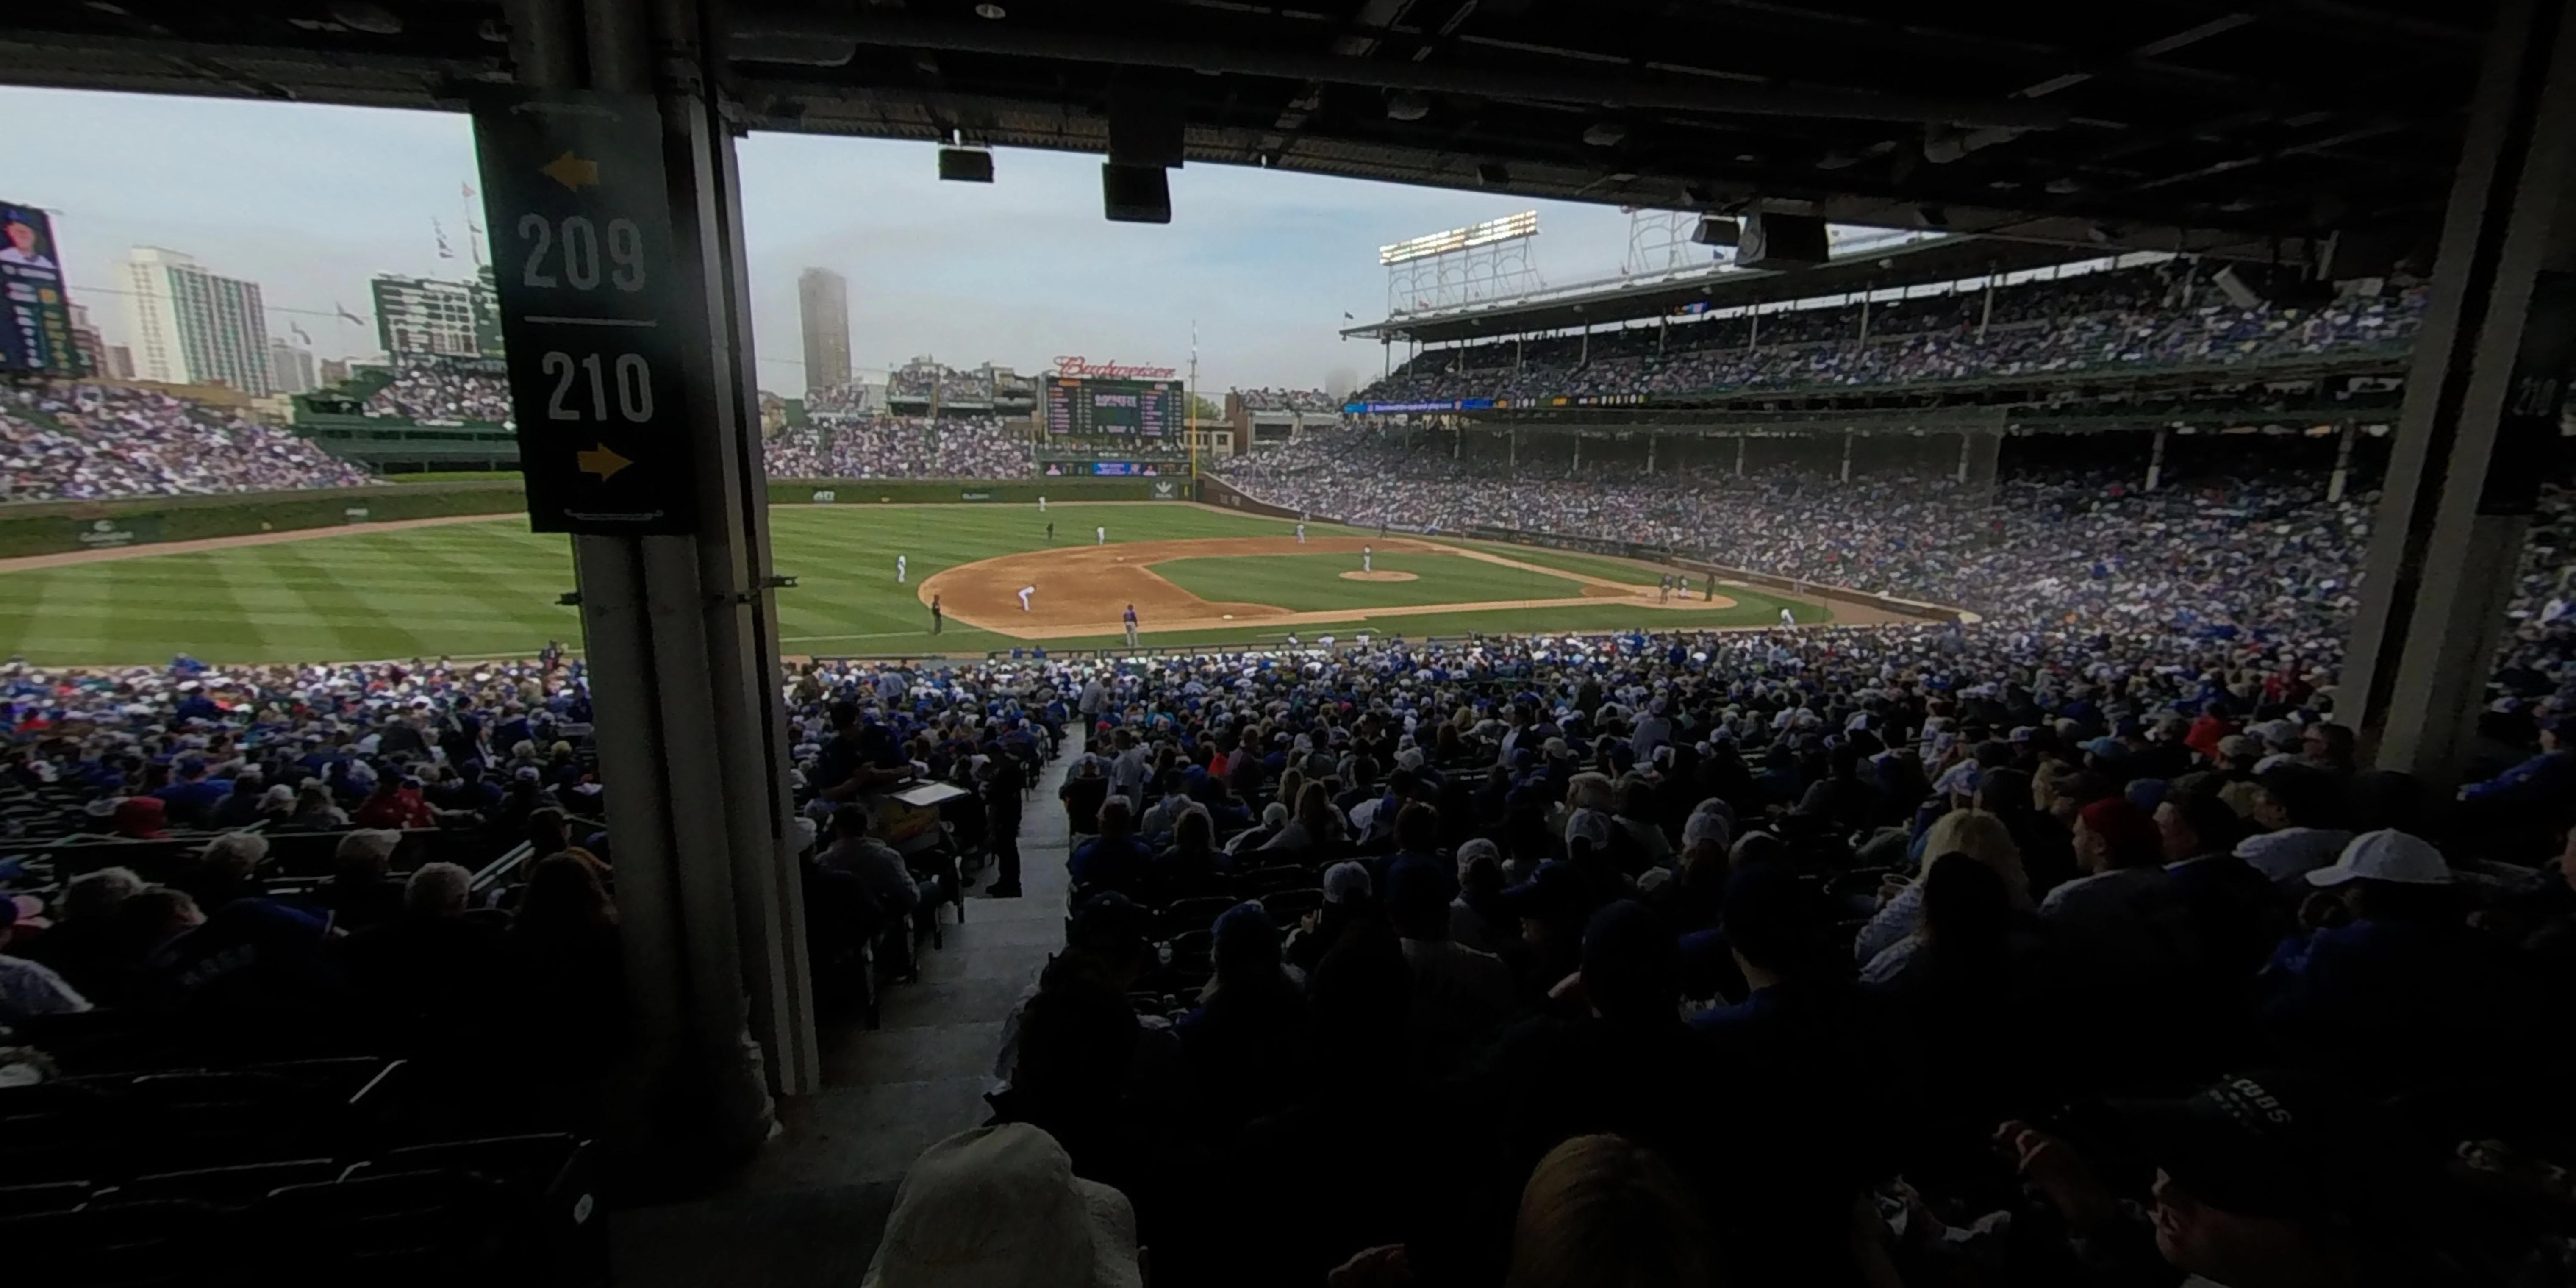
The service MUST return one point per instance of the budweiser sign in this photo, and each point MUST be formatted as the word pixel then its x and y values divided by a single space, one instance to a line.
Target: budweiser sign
pixel 1078 368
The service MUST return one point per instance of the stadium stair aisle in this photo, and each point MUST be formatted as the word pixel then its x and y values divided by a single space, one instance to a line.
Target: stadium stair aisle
pixel 809 1210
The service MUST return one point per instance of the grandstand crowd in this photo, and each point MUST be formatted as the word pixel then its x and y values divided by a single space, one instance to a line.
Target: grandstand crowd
pixel 1824 956
pixel 924 381
pixel 900 447
pixel 2071 946
pixel 1287 400
pixel 2160 315
pixel 423 388
pixel 81 442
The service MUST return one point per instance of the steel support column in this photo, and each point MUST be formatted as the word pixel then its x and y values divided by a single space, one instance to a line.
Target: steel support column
pixel 2482 403
pixel 2156 461
pixel 683 657
pixel 2343 465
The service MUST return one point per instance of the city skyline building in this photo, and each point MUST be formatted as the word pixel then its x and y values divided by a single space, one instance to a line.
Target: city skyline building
pixel 195 327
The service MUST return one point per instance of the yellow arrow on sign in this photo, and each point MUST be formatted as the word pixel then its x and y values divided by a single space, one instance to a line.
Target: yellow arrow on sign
pixel 572 171
pixel 600 461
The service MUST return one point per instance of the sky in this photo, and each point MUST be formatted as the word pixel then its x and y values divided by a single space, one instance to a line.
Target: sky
pixel 311 202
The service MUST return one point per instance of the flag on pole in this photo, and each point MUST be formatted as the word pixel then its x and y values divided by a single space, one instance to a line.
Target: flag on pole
pixel 298 329
pixel 346 315
pixel 467 189
pixel 1346 316
pixel 441 233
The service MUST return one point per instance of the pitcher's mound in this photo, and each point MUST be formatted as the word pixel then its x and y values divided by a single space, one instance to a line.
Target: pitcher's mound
pixel 1378 576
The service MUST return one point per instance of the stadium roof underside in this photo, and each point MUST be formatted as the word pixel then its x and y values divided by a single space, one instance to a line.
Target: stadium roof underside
pixel 1944 259
pixel 2254 129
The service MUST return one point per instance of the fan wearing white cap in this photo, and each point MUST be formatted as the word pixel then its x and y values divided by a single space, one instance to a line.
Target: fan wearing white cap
pixel 2382 970
pixel 1000 1207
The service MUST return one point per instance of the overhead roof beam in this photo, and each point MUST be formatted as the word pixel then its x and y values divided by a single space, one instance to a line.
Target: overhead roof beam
pixel 1559 86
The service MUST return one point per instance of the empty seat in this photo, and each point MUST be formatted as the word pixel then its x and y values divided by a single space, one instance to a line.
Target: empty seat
pixel 128 1245
pixel 1185 915
pixel 1269 880
pixel 236 1186
pixel 46 1196
pixel 404 1227
pixel 1287 906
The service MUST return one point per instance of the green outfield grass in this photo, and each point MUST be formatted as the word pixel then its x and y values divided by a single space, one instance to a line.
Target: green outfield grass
pixel 488 588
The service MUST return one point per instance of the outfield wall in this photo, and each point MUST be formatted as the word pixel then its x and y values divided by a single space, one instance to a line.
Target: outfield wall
pixel 54 527
pixel 1216 491
pixel 1025 491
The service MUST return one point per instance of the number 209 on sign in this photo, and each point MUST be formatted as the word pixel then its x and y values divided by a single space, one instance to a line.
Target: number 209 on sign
pixel 596 388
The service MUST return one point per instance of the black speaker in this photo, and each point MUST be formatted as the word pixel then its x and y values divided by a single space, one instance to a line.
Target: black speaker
pixel 965 165
pixel 1781 241
pixel 1145 124
pixel 2362 252
pixel 1718 230
pixel 1136 194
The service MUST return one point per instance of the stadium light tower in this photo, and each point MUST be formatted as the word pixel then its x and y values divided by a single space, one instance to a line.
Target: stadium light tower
pixel 1469 265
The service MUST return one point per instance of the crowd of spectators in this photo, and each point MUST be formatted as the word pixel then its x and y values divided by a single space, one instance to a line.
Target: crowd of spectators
pixel 1287 400
pixel 80 442
pixel 2138 316
pixel 900 447
pixel 432 388
pixel 190 776
pixel 839 400
pixel 917 381
pixel 1825 956
pixel 2254 550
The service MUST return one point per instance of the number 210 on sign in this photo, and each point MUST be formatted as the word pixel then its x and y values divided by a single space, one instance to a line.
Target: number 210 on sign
pixel 591 375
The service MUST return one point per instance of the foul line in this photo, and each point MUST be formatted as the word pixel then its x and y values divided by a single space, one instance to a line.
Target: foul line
pixel 873 635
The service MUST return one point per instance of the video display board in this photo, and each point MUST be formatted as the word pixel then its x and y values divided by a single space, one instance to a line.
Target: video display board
pixel 1145 408
pixel 36 336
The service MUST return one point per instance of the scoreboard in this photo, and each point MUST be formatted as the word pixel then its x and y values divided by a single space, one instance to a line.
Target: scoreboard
pixel 36 324
pixel 1147 408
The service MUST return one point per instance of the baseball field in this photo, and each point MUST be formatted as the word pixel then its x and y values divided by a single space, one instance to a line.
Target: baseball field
pixel 488 587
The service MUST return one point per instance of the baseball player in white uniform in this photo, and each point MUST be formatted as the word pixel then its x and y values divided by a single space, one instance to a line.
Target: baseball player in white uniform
pixel 1025 592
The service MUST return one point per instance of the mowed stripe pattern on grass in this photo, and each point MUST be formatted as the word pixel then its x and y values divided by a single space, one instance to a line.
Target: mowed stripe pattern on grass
pixel 465 589
pixel 489 588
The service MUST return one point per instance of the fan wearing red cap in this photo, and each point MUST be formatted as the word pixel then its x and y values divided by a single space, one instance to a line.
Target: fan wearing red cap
pixel 2118 910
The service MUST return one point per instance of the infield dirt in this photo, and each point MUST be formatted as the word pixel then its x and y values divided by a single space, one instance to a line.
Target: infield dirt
pixel 1082 590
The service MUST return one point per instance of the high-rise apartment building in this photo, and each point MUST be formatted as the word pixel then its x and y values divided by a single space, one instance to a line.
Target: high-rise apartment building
pixel 193 327
pixel 823 308
pixel 290 368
